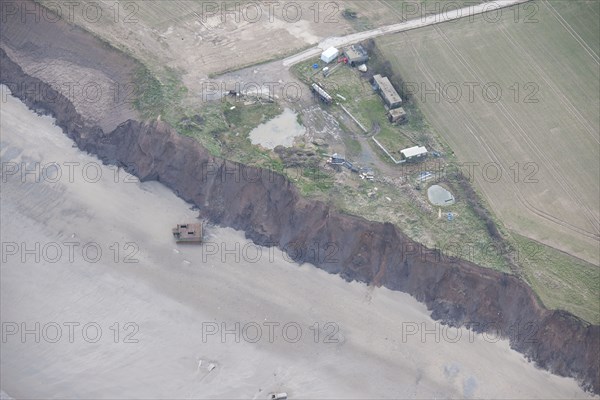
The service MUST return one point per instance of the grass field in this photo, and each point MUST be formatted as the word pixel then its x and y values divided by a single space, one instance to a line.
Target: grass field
pixel 542 133
pixel 561 281
pixel 207 38
pixel 533 134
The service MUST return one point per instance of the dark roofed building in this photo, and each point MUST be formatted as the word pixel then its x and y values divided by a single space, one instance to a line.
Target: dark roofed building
pixel 397 115
pixel 387 91
pixel 356 54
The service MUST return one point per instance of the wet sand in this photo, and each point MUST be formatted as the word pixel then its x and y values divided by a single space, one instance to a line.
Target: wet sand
pixel 174 294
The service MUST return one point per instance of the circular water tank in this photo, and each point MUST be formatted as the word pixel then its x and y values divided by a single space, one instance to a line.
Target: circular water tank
pixel 439 196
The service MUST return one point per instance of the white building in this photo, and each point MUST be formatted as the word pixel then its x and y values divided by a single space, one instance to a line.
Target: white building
pixel 329 55
pixel 413 153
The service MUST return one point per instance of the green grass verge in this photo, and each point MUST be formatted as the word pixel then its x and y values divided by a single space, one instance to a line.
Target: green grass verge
pixel 159 97
pixel 407 208
pixel 560 280
pixel 466 236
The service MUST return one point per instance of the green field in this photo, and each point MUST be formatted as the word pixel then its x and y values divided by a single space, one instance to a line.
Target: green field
pixel 561 280
pixel 547 111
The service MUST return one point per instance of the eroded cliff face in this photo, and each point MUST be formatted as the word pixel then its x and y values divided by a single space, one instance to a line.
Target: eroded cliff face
pixel 270 210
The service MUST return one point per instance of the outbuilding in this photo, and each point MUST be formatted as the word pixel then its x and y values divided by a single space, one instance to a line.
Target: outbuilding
pixel 387 91
pixel 397 115
pixel 329 55
pixel 413 153
pixel 356 54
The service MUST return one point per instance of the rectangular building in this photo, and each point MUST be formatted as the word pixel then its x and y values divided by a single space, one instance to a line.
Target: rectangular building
pixel 387 91
pixel 397 115
pixel 413 153
pixel 329 55
pixel 337 159
pixel 356 54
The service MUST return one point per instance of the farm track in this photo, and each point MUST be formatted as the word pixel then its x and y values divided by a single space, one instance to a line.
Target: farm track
pixel 423 68
pixel 181 13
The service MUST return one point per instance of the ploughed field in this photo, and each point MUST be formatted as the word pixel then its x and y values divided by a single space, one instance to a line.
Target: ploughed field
pixel 537 119
pixel 515 95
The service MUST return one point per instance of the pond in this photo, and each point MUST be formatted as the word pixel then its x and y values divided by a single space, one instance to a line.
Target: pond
pixel 281 130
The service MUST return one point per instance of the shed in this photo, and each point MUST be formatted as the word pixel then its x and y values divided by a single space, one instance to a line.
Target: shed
pixel 387 91
pixel 413 153
pixel 397 115
pixel 329 55
pixel 356 54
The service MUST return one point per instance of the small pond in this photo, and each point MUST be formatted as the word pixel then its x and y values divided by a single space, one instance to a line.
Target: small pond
pixel 281 130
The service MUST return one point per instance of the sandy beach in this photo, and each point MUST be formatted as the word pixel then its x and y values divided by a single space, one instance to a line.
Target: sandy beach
pixel 124 312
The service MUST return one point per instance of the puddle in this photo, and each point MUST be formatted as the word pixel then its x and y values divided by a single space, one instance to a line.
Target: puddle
pixel 281 130
pixel 439 196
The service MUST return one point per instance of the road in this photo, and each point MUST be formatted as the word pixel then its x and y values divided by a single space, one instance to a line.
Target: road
pixel 400 27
